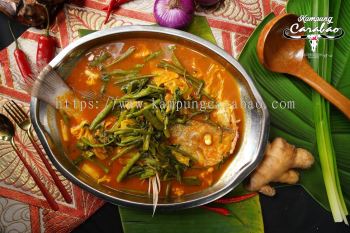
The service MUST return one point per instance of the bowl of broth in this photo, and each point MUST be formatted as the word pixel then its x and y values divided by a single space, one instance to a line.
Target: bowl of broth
pixel 159 117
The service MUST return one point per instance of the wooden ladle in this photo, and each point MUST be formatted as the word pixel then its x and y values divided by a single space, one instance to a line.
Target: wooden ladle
pixel 283 55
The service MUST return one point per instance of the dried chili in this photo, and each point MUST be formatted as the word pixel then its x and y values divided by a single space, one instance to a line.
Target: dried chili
pixel 21 59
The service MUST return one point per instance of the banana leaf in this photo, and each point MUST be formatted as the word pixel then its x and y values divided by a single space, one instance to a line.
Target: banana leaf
pixel 246 216
pixel 333 70
pixel 298 125
pixel 201 28
pixel 326 66
pixel 83 32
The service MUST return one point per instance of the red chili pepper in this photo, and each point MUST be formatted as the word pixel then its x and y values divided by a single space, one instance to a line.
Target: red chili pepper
pixel 217 210
pixel 21 59
pixel 46 47
pixel 109 11
pixel 46 51
pixel 229 200
pixel 113 4
pixel 116 4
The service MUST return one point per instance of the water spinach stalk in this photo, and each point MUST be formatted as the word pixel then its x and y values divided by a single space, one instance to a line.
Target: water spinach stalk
pixel 323 65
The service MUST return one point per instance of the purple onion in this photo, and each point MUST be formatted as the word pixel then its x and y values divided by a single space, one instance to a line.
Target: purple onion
pixel 206 3
pixel 173 13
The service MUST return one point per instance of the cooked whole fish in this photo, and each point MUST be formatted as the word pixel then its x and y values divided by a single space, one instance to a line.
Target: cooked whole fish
pixel 207 144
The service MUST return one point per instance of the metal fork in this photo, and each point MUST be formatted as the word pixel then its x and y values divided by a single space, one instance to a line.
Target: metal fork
pixel 22 120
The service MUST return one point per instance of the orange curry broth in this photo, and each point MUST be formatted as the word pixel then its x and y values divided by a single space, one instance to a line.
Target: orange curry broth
pixel 189 58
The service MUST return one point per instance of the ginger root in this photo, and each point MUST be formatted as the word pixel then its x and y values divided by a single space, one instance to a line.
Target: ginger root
pixel 277 166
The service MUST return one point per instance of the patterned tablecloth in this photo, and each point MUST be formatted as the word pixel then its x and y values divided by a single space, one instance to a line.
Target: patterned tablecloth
pixel 22 206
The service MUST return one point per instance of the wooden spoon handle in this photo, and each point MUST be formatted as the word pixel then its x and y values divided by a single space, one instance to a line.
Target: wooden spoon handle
pixel 308 75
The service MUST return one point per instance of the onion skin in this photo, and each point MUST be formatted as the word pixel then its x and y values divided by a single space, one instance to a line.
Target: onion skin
pixel 176 17
pixel 207 3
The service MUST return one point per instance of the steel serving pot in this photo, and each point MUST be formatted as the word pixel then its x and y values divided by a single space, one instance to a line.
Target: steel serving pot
pixel 246 158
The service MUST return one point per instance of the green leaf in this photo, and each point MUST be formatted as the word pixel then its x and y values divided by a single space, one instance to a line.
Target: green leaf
pixel 340 79
pixel 200 27
pixel 295 125
pixel 246 218
pixel 298 125
pixel 324 66
pixel 298 7
pixel 84 32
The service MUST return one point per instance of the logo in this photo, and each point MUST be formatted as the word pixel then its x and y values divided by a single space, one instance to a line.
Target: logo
pixel 325 31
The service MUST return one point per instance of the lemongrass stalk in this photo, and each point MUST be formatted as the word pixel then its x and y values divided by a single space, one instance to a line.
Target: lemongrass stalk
pixel 328 73
pixel 322 123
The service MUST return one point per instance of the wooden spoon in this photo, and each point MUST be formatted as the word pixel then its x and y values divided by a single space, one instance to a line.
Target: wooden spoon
pixel 283 55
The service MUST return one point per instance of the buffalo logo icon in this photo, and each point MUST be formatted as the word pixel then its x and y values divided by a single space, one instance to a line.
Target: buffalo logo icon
pixel 313 38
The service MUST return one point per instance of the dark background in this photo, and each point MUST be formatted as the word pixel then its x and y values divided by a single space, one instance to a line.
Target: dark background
pixel 292 210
